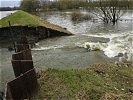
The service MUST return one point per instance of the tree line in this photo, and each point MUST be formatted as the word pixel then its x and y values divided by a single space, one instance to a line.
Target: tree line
pixel 8 8
pixel 35 5
pixel 110 11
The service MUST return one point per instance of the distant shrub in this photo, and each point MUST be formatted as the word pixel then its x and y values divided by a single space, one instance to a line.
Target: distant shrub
pixel 78 16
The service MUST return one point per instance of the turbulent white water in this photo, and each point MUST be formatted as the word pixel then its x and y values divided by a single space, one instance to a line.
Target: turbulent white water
pixel 120 36
pixel 119 43
pixel 39 48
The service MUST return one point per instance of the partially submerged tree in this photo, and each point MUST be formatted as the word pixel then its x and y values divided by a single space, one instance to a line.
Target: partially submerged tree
pixel 110 10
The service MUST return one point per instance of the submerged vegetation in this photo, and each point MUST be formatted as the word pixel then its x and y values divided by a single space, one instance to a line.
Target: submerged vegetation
pixel 79 16
pixel 92 83
pixel 96 82
pixel 109 11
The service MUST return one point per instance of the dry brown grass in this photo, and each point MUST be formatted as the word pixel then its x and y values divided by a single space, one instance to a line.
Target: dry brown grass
pixel 112 96
pixel 97 82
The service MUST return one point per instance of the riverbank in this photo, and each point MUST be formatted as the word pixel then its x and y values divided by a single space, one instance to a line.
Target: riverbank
pixel 58 58
pixel 65 52
pixel 95 82
pixel 23 23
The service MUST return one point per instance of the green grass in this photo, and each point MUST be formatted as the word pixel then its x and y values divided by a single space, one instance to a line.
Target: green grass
pixel 87 83
pixel 21 18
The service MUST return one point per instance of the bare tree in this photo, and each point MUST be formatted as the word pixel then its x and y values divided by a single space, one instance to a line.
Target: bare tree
pixel 110 10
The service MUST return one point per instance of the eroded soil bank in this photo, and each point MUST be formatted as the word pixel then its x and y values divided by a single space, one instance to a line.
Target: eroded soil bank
pixel 33 33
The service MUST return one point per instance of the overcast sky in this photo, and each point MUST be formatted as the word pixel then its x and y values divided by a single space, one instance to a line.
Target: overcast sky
pixel 9 3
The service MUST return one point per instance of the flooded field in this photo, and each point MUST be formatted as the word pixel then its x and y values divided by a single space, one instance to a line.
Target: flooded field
pixel 71 51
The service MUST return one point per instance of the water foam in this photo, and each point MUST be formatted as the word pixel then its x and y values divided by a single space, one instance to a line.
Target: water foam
pixel 41 48
pixel 95 46
pixel 119 43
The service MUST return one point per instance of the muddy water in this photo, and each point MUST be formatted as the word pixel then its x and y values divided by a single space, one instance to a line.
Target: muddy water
pixel 70 51
pixel 92 31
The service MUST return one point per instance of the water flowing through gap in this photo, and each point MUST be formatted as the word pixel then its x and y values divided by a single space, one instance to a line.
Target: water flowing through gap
pixel 111 40
pixel 71 51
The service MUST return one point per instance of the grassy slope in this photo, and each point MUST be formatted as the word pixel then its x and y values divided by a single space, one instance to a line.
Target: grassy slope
pixel 93 82
pixel 20 18
pixel 23 18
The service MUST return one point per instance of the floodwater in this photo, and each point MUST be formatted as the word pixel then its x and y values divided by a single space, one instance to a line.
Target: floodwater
pixel 71 51
pixel 5 13
pixel 120 35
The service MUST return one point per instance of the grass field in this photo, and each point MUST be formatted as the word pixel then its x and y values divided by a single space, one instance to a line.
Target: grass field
pixel 92 83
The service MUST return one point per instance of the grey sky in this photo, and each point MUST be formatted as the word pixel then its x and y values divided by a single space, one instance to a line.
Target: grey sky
pixel 9 3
